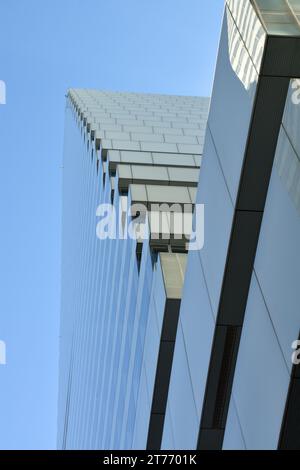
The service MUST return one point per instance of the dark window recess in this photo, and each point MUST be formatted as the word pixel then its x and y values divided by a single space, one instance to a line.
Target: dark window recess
pixel 92 154
pixel 138 252
pixel 224 379
pixel 112 193
pixel 219 381
pixel 97 165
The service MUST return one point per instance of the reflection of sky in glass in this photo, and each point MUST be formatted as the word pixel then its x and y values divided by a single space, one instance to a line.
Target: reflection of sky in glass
pixel 280 17
pixel 246 40
pixel 250 28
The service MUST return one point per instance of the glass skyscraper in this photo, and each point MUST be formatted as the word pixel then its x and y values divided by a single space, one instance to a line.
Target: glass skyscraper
pixel 165 347
pixel 121 297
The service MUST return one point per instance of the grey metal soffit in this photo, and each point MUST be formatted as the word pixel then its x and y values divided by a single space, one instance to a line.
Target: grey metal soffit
pixel 281 62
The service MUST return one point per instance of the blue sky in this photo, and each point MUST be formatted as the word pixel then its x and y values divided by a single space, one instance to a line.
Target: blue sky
pixel 163 46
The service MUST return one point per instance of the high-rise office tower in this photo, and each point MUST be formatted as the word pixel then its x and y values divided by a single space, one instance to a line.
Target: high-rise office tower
pixel 121 294
pixel 161 347
pixel 233 382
